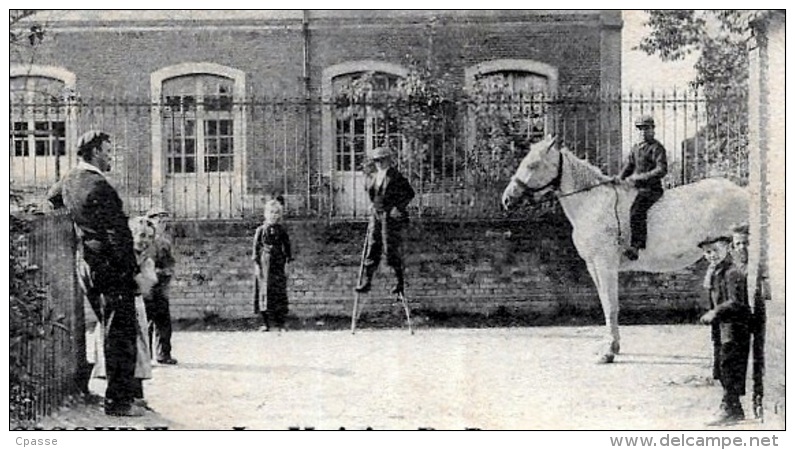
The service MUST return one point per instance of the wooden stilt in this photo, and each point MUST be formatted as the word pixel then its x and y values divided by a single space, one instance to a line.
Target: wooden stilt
pixel 405 302
pixel 356 308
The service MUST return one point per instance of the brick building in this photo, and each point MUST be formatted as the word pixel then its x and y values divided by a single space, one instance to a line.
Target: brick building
pixel 211 111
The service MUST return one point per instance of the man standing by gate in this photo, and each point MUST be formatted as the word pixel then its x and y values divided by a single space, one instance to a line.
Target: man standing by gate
pixel 107 267
pixel 390 194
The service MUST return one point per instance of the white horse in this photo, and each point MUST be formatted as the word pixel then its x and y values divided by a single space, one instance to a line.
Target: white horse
pixel 598 210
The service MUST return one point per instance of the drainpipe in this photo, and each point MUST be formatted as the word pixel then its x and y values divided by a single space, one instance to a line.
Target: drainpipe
pixel 307 108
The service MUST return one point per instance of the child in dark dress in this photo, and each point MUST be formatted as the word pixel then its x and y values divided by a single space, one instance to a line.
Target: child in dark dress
pixel 271 253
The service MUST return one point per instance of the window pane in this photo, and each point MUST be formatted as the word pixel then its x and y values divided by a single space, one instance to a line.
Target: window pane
pixel 225 127
pixel 358 126
pixel 177 165
pixel 358 151
pixel 211 127
pixel 211 164
pixel 190 128
pixel 59 129
pixel 190 165
pixel 226 146
pixel 42 148
pixel 20 138
pixel 346 162
pixel 218 103
pixel 173 102
pixel 188 103
pixel 225 164
pixel 172 128
pixel 211 146
pixel 190 146
pixel 21 148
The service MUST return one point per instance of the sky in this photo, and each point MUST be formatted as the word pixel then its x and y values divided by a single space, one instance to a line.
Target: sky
pixel 643 72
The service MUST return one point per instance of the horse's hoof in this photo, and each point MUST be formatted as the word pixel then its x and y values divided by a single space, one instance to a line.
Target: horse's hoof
pixel 615 347
pixel 607 358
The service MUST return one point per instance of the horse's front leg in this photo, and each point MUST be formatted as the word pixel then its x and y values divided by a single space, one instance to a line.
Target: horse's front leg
pixel 607 284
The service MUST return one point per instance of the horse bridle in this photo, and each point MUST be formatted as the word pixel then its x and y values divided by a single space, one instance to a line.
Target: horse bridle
pixel 554 183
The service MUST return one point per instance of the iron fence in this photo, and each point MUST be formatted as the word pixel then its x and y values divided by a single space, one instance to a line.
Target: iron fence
pixel 222 158
pixel 47 322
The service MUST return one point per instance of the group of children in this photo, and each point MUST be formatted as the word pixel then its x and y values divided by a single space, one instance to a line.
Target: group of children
pixel 153 319
pixel 731 318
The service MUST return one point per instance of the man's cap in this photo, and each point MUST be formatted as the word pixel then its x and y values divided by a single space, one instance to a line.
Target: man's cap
pixel 714 239
pixel 380 152
pixel 740 228
pixel 91 139
pixel 644 122
pixel 157 212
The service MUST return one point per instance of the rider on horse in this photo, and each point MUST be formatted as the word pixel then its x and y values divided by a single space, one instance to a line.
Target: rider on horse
pixel 645 169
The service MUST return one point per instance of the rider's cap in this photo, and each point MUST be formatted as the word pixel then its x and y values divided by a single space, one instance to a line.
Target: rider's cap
pixel 644 122
pixel 714 239
pixel 380 152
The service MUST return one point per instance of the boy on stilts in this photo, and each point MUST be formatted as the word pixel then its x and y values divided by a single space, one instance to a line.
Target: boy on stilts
pixel 390 194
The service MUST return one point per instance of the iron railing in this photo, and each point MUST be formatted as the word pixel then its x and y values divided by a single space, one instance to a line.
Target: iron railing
pixel 47 342
pixel 222 159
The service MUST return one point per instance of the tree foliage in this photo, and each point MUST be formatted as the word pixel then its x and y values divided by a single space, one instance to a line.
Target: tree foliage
pixel 722 39
pixel 23 31
pixel 421 106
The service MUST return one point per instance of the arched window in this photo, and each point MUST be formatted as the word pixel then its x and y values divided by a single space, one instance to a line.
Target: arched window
pixel 198 124
pixel 510 110
pixel 40 98
pixel 354 122
pixel 519 90
pixel 198 139
pixel 363 124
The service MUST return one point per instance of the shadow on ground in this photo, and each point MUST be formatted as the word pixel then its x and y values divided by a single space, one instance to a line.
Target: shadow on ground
pixel 501 318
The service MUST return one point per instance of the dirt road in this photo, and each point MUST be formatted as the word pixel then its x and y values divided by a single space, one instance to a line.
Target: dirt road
pixel 497 378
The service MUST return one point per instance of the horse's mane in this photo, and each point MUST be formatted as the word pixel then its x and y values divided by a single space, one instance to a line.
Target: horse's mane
pixel 584 173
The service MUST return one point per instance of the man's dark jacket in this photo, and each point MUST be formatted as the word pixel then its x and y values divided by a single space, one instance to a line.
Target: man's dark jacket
pixel 102 227
pixel 394 192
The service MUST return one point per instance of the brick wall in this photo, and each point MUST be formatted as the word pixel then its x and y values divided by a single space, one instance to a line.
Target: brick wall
pixel 475 267
pixel 112 62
